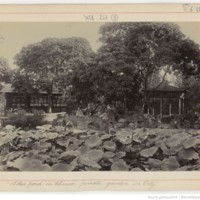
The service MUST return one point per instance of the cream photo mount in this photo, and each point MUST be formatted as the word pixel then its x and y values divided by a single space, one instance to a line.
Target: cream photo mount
pixel 109 181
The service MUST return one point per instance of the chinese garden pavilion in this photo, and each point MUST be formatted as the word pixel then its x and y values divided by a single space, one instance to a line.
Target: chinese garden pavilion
pixel 166 100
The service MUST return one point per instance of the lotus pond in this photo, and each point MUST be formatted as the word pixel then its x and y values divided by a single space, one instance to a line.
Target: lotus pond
pixel 55 149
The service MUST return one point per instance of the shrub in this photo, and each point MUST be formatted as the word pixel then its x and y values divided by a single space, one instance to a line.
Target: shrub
pixel 20 118
pixel 36 119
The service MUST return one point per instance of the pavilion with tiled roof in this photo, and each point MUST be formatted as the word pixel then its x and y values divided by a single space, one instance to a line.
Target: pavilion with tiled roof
pixel 166 100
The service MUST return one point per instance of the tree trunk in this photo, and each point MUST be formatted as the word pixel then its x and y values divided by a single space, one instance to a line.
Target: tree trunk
pixel 28 102
pixel 145 95
pixel 49 102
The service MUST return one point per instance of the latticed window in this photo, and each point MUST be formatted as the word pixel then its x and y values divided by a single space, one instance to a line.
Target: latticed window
pixel 18 102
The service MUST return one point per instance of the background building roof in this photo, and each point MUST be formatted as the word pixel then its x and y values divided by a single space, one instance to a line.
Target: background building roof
pixel 7 88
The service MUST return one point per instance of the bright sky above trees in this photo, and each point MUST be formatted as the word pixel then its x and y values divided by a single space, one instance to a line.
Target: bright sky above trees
pixel 13 36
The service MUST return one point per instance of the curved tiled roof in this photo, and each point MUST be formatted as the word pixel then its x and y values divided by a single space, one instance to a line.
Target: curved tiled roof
pixel 168 87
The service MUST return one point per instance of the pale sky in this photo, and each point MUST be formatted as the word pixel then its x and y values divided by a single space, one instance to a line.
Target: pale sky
pixel 15 35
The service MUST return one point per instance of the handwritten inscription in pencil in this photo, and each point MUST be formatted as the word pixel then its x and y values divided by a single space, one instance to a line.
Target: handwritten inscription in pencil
pixel 84 185
pixel 191 8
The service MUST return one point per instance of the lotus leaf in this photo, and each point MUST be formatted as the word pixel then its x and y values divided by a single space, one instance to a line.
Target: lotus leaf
pixel 74 164
pixel 149 152
pixel 109 145
pixel 174 141
pixel 108 154
pixel 120 154
pixel 90 163
pixel 78 142
pixel 69 155
pixel 170 164
pixel 59 128
pixel 154 163
pixel 42 145
pixel 93 141
pixel 92 132
pixel 191 142
pixel 91 169
pixel 106 163
pixel 62 142
pixel 106 136
pixel 170 151
pixel 10 127
pixel 72 147
pixel 32 153
pixel 39 135
pixel 5 149
pixel 25 143
pixel 79 132
pixel 137 169
pixel 2 133
pixel 13 155
pixel 27 164
pixel 21 132
pixel 52 135
pixel 61 167
pixel 83 149
pixel 95 155
pixel 119 166
pixel 48 159
pixel 188 154
pixel 72 139
pixel 1 159
pixel 140 135
pixel 124 136
pixel 185 168
pixel 8 138
pixel 45 127
pixel 54 153
pixel 83 137
pixel 66 142
pixel 2 168
pixel 27 135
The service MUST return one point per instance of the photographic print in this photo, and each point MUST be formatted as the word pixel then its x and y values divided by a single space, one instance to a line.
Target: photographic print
pixel 99 96
pixel 119 96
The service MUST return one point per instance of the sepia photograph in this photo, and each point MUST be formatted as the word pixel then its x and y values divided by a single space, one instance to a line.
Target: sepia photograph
pixel 99 96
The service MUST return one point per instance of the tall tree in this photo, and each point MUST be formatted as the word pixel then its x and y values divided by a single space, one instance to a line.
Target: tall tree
pixel 147 48
pixel 78 83
pixel 41 63
pixel 5 71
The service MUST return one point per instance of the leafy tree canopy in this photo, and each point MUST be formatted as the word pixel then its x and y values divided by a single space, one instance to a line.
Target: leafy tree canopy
pixel 146 48
pixel 5 71
pixel 41 63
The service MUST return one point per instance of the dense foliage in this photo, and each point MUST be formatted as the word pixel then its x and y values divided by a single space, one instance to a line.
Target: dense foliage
pixel 129 63
pixel 146 48
pixel 20 118
pixel 41 63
